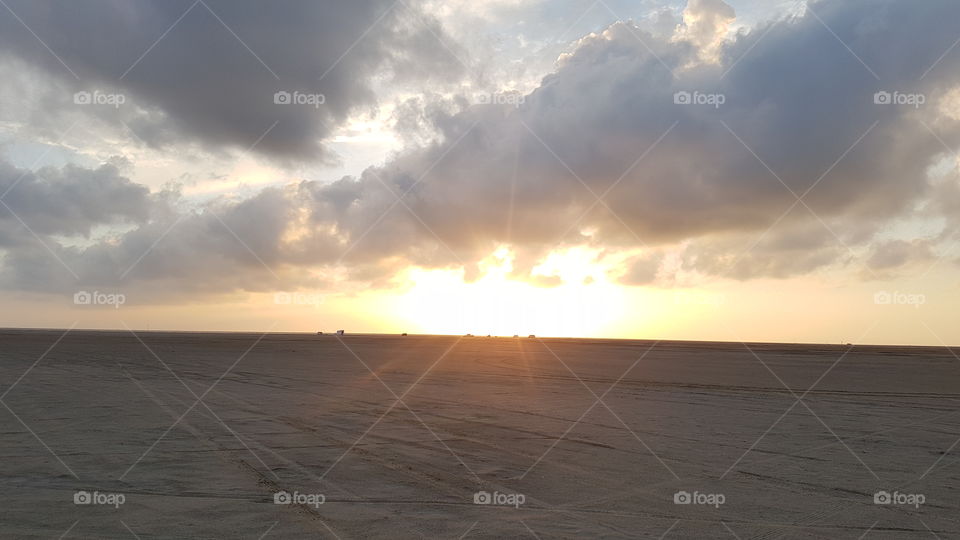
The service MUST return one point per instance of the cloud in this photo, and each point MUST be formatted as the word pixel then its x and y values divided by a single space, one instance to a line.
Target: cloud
pixel 787 252
pixel 705 24
pixel 894 254
pixel 71 200
pixel 207 72
pixel 798 118
pixel 642 269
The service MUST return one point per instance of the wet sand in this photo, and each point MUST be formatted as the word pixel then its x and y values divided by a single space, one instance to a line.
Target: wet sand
pixel 196 434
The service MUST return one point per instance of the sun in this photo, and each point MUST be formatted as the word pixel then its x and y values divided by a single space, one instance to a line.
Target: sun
pixel 566 296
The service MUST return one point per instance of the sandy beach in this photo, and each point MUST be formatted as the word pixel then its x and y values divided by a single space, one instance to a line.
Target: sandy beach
pixel 199 435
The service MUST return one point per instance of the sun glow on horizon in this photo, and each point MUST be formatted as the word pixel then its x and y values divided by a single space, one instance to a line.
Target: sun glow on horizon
pixel 578 301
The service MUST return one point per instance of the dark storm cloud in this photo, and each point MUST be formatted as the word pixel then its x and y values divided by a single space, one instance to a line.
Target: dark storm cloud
pixel 793 94
pixel 211 75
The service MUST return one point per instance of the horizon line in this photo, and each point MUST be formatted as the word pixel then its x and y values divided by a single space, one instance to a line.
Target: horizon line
pixel 851 345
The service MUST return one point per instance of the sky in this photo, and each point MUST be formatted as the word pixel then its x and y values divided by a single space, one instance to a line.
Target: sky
pixel 706 170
